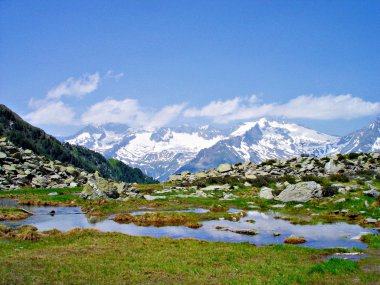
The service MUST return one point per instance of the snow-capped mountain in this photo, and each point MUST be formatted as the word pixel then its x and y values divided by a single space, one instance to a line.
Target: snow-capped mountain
pixel 364 140
pixel 157 153
pixel 261 140
pixel 165 151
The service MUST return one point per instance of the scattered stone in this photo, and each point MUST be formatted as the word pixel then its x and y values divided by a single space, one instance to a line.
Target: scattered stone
pixel 301 192
pixel 152 198
pixel 266 193
pixel 370 220
pixel 372 193
pixel 216 187
pixel 341 200
pixel 225 167
pixel 278 206
pixel 359 236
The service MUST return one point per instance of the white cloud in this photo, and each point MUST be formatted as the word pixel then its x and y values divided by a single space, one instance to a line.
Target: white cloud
pixel 165 116
pixel 325 107
pixel 51 113
pixel 129 112
pixel 215 108
pixel 113 75
pixel 71 86
pixel 113 111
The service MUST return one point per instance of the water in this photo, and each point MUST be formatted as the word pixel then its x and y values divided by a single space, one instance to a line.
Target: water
pixel 317 236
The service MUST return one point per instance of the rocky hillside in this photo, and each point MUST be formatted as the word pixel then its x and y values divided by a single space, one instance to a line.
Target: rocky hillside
pixel 26 136
pixel 20 168
pixel 296 167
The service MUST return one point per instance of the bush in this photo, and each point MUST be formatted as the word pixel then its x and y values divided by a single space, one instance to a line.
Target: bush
pixel 288 178
pixel 268 162
pixel 339 178
pixel 319 180
pixel 261 181
pixel 353 155
pixel 329 191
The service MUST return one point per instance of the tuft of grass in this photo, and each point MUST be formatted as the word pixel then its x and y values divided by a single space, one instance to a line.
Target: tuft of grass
pixel 335 266
pixel 12 214
pixel 294 240
pixel 372 240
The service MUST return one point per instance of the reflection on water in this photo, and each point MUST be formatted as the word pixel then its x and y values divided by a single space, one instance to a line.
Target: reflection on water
pixel 317 236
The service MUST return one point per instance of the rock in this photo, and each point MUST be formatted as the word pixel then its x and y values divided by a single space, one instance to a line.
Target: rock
pixel 278 206
pixel 276 234
pixel 372 193
pixel 342 191
pixel 370 220
pixel 250 176
pixel 53 194
pixel 341 200
pixel 359 236
pixel 332 167
pixel 266 193
pixel 294 240
pixel 175 177
pixel 2 155
pixel 300 192
pixel 216 187
pixel 225 167
pixel 152 198
pixel 298 206
pixel 229 197
pixel 247 184
pixel 201 175
pixel 200 193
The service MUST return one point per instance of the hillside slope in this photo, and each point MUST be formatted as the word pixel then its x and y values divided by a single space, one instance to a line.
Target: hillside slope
pixel 24 135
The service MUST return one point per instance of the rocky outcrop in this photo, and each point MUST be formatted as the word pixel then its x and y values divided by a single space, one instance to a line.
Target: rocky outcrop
pixel 98 187
pixel 21 168
pixel 300 192
pixel 299 166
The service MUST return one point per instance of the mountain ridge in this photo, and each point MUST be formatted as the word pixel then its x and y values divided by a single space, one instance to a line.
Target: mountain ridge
pixel 159 155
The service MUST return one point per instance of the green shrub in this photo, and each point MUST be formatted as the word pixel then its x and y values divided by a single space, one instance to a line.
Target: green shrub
pixel 329 191
pixel 353 155
pixel 261 181
pixel 339 178
pixel 319 180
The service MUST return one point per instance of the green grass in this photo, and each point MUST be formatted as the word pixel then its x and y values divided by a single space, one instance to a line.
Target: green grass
pixel 12 214
pixel 373 241
pixel 91 257
pixel 335 266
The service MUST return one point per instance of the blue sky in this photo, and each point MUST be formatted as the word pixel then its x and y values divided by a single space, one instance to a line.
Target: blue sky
pixel 64 64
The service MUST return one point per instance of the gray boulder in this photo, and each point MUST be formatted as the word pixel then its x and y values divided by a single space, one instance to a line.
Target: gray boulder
pixel 266 193
pixel 301 192
pixel 372 193
pixel 225 167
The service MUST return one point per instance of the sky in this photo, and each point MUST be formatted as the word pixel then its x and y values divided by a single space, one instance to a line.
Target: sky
pixel 148 64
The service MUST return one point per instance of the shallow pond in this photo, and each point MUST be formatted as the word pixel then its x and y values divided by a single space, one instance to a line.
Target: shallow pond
pixel 317 236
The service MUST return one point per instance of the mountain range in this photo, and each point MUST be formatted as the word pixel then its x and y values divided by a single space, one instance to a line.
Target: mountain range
pixel 162 152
